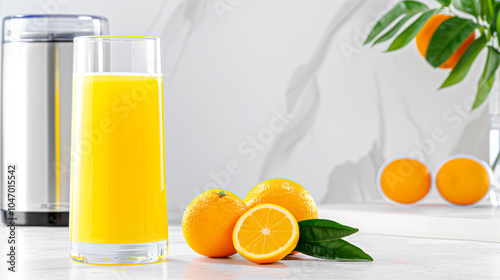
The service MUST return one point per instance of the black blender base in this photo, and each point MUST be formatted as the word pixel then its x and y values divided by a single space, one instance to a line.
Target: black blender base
pixel 36 218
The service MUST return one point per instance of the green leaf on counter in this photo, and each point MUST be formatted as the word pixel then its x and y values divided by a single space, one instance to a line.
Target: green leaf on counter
pixel 407 35
pixel 391 33
pixel 400 9
pixel 447 38
pixel 319 230
pixel 321 239
pixel 463 65
pixel 333 250
pixel 488 77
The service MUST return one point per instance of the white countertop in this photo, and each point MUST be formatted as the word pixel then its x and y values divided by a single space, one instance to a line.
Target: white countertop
pixel 43 254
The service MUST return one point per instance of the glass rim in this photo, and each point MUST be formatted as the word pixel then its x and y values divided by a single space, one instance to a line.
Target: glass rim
pixel 116 38
pixel 52 16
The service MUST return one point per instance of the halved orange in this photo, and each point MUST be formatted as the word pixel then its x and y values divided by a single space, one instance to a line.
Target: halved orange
pixel 266 233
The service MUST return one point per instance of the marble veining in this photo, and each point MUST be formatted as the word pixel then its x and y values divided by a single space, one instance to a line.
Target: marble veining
pixel 302 95
pixel 354 181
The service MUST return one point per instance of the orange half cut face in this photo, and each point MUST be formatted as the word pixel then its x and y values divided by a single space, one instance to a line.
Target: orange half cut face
pixel 266 233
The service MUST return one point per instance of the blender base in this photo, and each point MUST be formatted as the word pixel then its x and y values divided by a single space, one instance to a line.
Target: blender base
pixel 36 218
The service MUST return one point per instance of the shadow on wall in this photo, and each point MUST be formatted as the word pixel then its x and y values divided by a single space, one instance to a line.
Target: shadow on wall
pixel 302 100
pixel 354 181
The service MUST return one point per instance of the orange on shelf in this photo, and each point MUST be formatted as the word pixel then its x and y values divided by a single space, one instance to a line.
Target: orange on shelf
pixel 463 180
pixel 404 181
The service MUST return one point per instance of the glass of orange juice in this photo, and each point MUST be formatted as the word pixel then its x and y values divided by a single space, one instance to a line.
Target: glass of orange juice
pixel 118 193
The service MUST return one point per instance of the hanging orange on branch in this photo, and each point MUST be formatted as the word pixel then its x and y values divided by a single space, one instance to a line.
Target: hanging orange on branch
pixel 446 40
pixel 425 35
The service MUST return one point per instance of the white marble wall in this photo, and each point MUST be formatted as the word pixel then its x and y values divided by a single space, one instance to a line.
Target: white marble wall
pixel 259 89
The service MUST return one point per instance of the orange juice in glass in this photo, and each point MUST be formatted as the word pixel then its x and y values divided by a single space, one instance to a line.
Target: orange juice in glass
pixel 118 194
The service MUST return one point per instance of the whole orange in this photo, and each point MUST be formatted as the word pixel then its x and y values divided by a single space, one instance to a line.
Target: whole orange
pixel 424 37
pixel 285 193
pixel 209 220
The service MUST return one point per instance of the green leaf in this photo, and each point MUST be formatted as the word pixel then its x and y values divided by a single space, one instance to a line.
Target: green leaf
pixel 483 91
pixel 221 193
pixel 487 9
pixel 406 36
pixel 318 230
pixel 333 250
pixel 447 38
pixel 444 2
pixel 471 7
pixel 496 22
pixel 488 77
pixel 463 65
pixel 400 9
pixel 394 30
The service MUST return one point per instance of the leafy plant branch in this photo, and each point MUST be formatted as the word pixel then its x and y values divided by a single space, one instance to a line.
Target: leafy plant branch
pixel 479 16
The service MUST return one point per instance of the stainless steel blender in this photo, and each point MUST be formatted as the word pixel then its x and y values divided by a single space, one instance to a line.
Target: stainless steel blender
pixel 37 67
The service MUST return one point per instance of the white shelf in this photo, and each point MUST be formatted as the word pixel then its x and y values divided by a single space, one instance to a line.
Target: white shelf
pixel 481 223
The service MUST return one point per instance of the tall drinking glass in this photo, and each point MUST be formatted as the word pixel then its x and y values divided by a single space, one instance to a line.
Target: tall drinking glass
pixel 118 193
